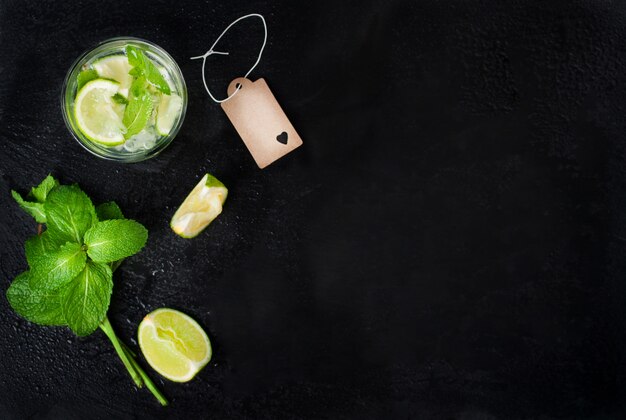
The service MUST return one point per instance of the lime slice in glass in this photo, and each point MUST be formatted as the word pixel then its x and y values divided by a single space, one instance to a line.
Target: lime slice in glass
pixel 202 205
pixel 115 67
pixel 174 344
pixel 167 112
pixel 97 115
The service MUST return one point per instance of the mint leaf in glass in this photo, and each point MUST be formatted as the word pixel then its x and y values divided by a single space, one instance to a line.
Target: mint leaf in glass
pixel 120 99
pixel 138 87
pixel 85 77
pixel 139 108
pixel 86 298
pixel 142 65
pixel 70 213
pixel 156 79
pixel 36 305
pixel 113 240
pixel 135 72
pixel 135 57
pixel 54 269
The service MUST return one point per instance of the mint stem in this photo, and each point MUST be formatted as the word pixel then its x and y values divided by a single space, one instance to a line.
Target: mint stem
pixel 108 330
pixel 146 379
pixel 132 366
pixel 127 349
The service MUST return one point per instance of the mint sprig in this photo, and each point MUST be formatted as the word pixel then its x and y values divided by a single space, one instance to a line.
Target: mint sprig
pixel 139 108
pixel 70 277
pixel 142 66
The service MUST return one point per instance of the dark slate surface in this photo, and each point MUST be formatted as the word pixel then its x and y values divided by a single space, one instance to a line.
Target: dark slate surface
pixel 450 242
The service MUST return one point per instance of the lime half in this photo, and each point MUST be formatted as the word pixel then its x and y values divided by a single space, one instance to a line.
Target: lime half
pixel 202 205
pixel 115 67
pixel 174 344
pixel 167 113
pixel 97 115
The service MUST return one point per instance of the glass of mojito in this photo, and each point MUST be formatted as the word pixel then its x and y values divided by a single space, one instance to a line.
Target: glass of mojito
pixel 124 100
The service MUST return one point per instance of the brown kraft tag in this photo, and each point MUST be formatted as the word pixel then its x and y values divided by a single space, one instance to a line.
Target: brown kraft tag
pixel 260 121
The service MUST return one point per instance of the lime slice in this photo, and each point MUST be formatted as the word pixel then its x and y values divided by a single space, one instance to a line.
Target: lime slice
pixel 167 113
pixel 115 67
pixel 174 344
pixel 97 115
pixel 201 207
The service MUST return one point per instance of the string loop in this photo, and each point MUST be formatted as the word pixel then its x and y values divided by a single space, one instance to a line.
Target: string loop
pixel 211 51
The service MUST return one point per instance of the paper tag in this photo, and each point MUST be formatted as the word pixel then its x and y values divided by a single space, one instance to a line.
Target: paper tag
pixel 260 121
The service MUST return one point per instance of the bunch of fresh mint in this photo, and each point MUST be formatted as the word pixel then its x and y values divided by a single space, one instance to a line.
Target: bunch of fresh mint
pixel 71 263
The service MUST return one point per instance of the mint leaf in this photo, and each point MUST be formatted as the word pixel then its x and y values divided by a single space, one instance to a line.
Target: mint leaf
pixel 36 305
pixel 156 79
pixel 85 300
pixel 109 211
pixel 38 245
pixel 139 108
pixel 135 57
pixel 37 196
pixel 84 77
pixel 138 87
pixel 70 213
pixel 40 192
pixel 113 240
pixel 143 65
pixel 36 210
pixel 57 268
pixel 35 248
pixel 120 99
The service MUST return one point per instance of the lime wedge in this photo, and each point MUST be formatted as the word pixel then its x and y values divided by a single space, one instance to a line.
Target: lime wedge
pixel 115 67
pixel 167 113
pixel 174 344
pixel 201 207
pixel 97 115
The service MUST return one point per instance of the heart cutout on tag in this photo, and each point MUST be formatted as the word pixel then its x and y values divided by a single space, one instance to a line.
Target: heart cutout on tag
pixel 282 138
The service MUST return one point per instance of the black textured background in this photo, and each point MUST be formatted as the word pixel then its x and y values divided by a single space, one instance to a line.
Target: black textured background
pixel 449 243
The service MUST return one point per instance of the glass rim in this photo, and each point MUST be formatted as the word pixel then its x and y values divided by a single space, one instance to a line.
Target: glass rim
pixel 98 150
